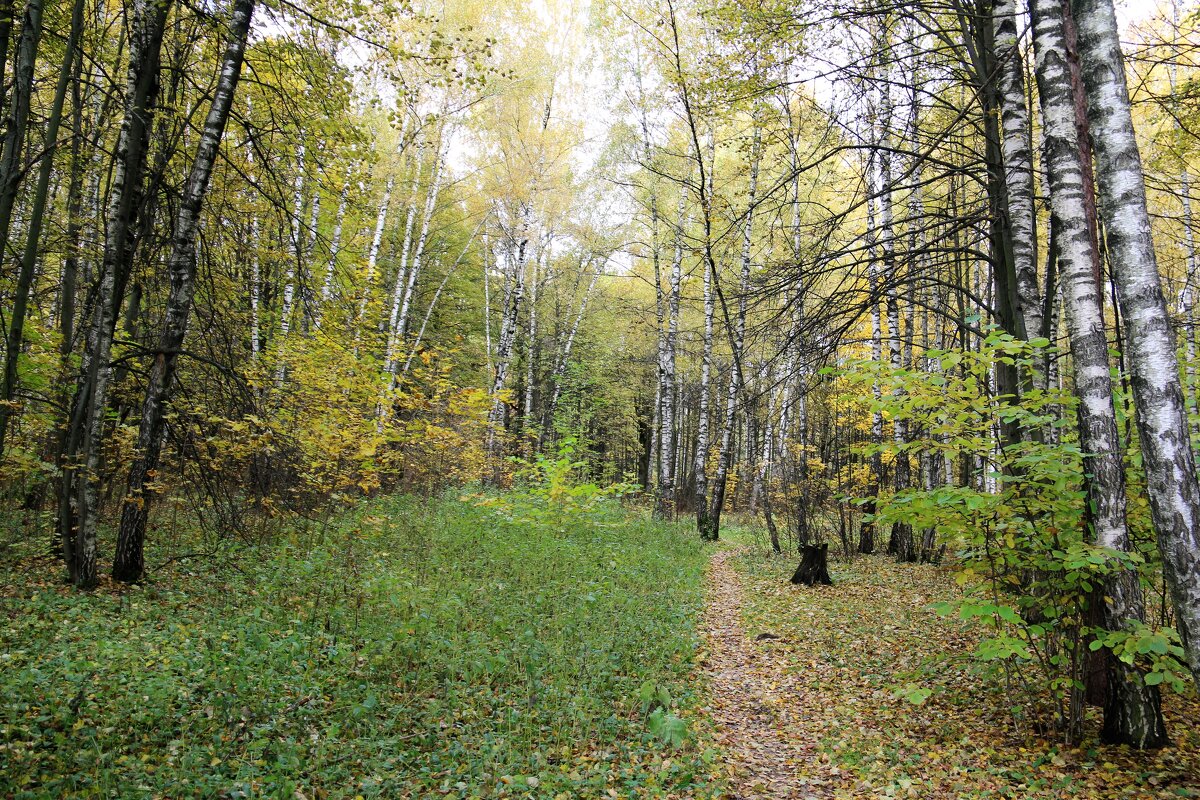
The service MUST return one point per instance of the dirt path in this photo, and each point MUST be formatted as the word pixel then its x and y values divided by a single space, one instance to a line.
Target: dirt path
pixel 756 705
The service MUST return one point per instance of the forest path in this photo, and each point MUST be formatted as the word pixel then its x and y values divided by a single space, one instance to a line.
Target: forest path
pixel 757 705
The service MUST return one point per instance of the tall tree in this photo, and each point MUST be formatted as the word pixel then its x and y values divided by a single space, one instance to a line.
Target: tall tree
pixel 1162 416
pixel 87 422
pixel 1132 714
pixel 128 561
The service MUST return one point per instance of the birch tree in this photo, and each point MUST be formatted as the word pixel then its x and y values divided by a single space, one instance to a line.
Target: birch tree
pixel 1161 414
pixel 128 563
pixel 1132 714
pixel 86 427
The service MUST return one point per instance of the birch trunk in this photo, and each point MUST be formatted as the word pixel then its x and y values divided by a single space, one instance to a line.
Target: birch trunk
pixel 335 245
pixel 487 299
pixel 1191 399
pixel 1018 168
pixel 399 319
pixel 536 268
pixel 401 286
pixel 12 157
pixel 725 454
pixel 710 268
pixel 86 425
pixel 1132 714
pixel 128 563
pixel 286 308
pixel 701 454
pixel 1161 416
pixel 866 532
pixel 667 437
pixel 504 348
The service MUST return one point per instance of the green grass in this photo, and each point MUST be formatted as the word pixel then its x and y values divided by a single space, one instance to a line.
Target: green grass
pixel 413 649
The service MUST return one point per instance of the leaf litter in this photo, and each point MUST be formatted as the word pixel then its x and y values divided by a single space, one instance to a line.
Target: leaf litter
pixel 859 691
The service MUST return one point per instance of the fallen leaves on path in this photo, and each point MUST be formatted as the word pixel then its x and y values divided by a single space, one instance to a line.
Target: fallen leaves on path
pixel 804 683
pixel 755 703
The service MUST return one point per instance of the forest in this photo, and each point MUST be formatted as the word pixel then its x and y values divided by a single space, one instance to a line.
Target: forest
pixel 599 399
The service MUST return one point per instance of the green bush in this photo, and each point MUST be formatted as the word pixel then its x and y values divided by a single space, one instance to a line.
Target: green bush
pixel 1030 573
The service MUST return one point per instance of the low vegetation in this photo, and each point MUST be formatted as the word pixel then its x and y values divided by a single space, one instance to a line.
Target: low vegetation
pixel 406 650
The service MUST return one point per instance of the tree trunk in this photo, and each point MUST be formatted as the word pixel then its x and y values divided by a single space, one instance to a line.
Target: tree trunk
pixel 814 566
pixel 1161 416
pixel 400 321
pixel 87 417
pixel 128 563
pixel 668 438
pixel 738 340
pixel 20 300
pixel 12 157
pixel 701 454
pixel 335 246
pixel 504 349
pixel 1018 167
pixel 1132 715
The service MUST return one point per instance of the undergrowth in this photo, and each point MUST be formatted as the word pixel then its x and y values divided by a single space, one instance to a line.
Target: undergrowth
pixel 411 649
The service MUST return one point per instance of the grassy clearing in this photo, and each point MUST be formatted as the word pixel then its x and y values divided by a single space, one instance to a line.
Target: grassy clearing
pixel 850 647
pixel 414 649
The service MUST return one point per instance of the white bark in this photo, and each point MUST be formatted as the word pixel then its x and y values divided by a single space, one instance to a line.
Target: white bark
pixel 335 242
pixel 289 285
pixel 373 253
pixel 399 317
pixel 734 387
pixel 1161 417
pixel 1018 165
pixel 667 437
pixel 487 300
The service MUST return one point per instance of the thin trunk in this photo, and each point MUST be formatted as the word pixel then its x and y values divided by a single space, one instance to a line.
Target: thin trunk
pixel 294 261
pixel 536 267
pixel 701 453
pixel 20 300
pixel 128 564
pixel 705 185
pixel 12 157
pixel 725 454
pixel 418 256
pixel 91 397
pixel 667 437
pixel 335 244
pixel 373 253
pixel 400 289
pixel 504 349
pixel 487 300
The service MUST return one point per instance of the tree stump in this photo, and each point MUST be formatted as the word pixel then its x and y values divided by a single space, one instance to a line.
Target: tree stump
pixel 814 567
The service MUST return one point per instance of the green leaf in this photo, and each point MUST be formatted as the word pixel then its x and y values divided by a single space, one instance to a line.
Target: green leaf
pixel 669 728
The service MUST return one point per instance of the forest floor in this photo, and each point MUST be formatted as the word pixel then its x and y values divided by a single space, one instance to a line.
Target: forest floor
pixel 495 648
pixel 407 649
pixel 811 695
